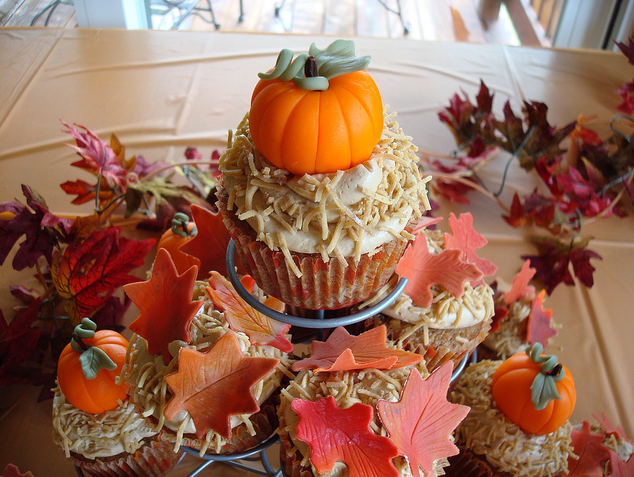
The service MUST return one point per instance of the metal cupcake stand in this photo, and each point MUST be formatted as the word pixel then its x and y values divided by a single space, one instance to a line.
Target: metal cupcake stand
pixel 320 321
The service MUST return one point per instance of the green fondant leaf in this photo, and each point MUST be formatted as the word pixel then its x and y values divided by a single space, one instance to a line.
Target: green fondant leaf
pixel 94 360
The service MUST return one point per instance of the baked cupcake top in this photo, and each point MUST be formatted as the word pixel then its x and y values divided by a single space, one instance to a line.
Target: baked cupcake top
pixel 404 421
pixel 503 440
pixel 212 345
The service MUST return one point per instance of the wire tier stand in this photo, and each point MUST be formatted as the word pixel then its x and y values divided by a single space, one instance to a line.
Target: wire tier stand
pixel 318 322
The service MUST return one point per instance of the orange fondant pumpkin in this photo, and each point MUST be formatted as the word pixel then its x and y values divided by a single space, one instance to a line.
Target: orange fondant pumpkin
pixel 173 241
pixel 317 131
pixel 511 388
pixel 100 393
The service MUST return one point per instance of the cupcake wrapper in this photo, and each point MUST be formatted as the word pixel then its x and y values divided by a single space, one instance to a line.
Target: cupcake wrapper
pixel 154 459
pixel 290 459
pixel 323 285
pixel 468 464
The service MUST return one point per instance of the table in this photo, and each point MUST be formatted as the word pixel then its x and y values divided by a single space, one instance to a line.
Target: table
pixel 161 92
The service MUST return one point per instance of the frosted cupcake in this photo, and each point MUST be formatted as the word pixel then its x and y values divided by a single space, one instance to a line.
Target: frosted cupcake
pixel 359 406
pixel 320 189
pixel 446 308
pixel 518 424
pixel 95 424
pixel 202 363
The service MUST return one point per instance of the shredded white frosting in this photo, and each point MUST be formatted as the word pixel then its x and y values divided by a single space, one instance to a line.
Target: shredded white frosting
pixel 488 432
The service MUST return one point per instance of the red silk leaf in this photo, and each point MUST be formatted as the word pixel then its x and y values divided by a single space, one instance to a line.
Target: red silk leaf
pixel 210 243
pixel 342 352
pixel 241 316
pixel 424 269
pixel 466 239
pixel 538 329
pixel 591 452
pixel 89 271
pixel 520 287
pixel 165 304
pixel 216 384
pixel 344 435
pixel 422 421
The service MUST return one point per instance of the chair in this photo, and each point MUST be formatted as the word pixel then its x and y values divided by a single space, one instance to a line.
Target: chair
pixel 184 8
pixel 50 8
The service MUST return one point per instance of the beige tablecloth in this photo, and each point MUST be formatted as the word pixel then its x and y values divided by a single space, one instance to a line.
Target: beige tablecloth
pixel 161 92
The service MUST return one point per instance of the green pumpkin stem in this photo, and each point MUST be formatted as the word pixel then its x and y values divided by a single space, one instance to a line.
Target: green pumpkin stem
pixel 92 358
pixel 180 222
pixel 544 387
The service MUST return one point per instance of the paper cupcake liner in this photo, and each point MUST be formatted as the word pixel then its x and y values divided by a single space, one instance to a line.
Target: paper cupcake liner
pixel 323 285
pixel 290 459
pixel 154 459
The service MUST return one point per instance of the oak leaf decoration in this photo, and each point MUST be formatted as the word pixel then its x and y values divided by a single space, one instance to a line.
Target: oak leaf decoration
pixel 422 421
pixel 520 287
pixel 165 304
pixel 591 453
pixel 538 329
pixel 215 384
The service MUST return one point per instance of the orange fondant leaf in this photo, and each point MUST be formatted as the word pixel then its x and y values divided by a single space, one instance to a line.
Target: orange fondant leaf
pixel 210 243
pixel 344 435
pixel 422 421
pixel 538 329
pixel 466 239
pixel 424 269
pixel 165 304
pixel 342 352
pixel 241 316
pixel 590 451
pixel 216 384
pixel 520 287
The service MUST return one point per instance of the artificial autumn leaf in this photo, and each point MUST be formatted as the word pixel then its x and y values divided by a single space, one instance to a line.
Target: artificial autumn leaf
pixel 89 271
pixel 342 352
pixel 12 471
pixel 467 240
pixel 619 467
pixel 422 421
pixel 610 429
pixel 210 244
pixel 87 192
pixel 216 384
pixel 424 269
pixel 590 451
pixel 538 329
pixel 627 50
pixel 241 316
pixel 520 287
pixel 344 435
pixel 165 305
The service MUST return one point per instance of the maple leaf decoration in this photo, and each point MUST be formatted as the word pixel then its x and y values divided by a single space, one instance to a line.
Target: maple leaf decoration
pixel 343 352
pixel 165 304
pixel 241 316
pixel 466 239
pixel 422 421
pixel 344 435
pixel 590 451
pixel 520 287
pixel 216 384
pixel 538 329
pixel 89 271
pixel 210 243
pixel 424 269
pixel 13 471
pixel 610 429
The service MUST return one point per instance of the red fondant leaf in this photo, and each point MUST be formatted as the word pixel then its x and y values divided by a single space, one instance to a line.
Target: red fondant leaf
pixel 520 287
pixel 538 329
pixel 210 243
pixel 610 429
pixel 466 239
pixel 342 352
pixel 216 384
pixel 591 452
pixel 12 471
pixel 424 269
pixel 619 467
pixel 344 435
pixel 241 316
pixel 422 421
pixel 166 306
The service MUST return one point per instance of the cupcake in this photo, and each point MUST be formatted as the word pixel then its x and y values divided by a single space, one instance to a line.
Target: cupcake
pixel 98 428
pixel 519 419
pixel 519 318
pixel 359 407
pixel 202 363
pixel 320 189
pixel 446 308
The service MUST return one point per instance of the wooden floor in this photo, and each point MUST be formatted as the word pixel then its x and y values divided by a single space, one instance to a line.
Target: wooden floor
pixel 445 20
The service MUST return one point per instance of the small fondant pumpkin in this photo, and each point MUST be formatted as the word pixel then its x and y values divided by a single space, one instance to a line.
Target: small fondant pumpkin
pixel 318 131
pixel 88 367
pixel 534 391
pixel 181 232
